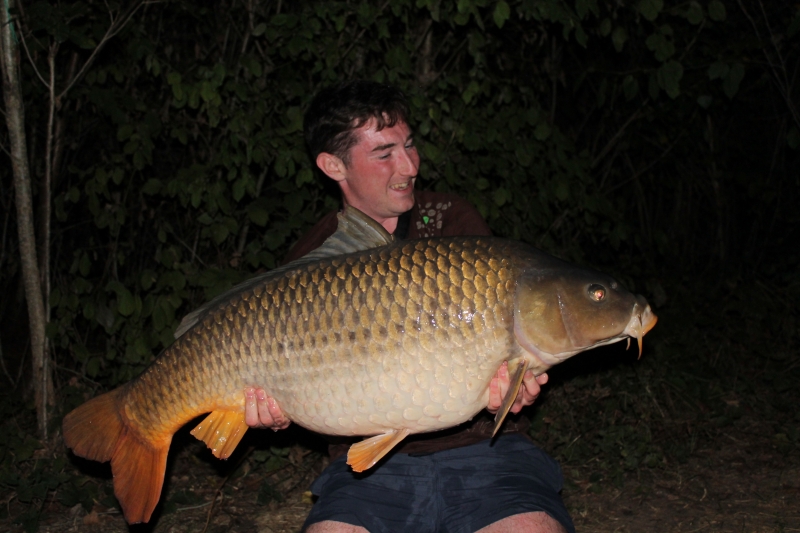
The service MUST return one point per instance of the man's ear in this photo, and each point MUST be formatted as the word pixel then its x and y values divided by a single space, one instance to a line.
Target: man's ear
pixel 332 166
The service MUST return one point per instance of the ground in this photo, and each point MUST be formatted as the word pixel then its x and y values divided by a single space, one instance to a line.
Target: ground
pixel 741 482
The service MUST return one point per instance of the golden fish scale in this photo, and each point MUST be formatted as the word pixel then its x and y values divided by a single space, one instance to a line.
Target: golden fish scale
pixel 407 335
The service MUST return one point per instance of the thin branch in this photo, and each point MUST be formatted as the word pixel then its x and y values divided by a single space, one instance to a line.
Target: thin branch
pixel 3 365
pixel 648 167
pixel 116 26
pixel 246 228
pixel 610 144
pixel 784 87
pixel 693 41
pixel 30 59
pixel 361 34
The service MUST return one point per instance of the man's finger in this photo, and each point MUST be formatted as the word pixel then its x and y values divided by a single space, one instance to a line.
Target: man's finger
pixel 251 417
pixel 504 381
pixel 278 420
pixel 264 415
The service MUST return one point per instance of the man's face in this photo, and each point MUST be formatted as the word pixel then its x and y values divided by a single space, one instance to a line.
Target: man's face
pixel 380 172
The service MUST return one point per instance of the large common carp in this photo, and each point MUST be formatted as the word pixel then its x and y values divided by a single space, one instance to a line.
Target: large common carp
pixel 363 336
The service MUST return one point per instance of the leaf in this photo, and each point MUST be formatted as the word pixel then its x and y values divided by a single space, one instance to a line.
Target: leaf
pixel 239 188
pixel 605 27
pixel 259 29
pixel 619 37
pixel 258 215
pixel 124 132
pixel 472 89
pixel 524 155
pixel 542 131
pixel 793 138
pixel 730 85
pixel 650 8
pixel 294 203
pixel 147 278
pixel 219 232
pixel 630 87
pixel 718 70
pixel 501 13
pixel 704 101
pixel 661 46
pixel 501 196
pixel 716 10
pixel 152 186
pixel 794 26
pixel 304 175
pixel 584 7
pixel 174 78
pixel 84 265
pixel 694 13
pixel 432 152
pixel 669 78
pixel 126 303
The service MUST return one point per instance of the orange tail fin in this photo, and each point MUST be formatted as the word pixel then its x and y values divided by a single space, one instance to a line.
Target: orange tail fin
pixel 98 430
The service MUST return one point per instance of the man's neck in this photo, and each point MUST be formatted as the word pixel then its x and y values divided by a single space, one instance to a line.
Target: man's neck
pixel 390 224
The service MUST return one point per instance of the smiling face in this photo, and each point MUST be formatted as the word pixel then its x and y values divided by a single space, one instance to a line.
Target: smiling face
pixel 378 177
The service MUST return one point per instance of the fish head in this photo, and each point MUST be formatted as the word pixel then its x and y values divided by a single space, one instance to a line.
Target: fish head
pixel 562 311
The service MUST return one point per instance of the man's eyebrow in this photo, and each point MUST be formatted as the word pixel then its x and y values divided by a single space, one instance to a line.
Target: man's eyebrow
pixel 391 145
pixel 383 147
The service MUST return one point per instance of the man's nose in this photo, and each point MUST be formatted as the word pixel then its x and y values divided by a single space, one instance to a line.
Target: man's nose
pixel 409 162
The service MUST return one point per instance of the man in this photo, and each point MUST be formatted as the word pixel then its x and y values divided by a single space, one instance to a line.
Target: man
pixel 452 480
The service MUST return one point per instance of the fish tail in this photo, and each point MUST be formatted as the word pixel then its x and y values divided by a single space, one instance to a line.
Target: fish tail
pixel 100 431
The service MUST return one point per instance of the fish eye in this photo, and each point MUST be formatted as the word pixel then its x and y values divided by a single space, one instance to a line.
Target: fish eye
pixel 597 292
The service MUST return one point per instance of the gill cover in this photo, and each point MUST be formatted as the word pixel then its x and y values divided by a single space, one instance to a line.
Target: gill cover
pixel 562 311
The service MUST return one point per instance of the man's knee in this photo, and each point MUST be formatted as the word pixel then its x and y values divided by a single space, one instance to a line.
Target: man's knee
pixel 329 526
pixel 526 523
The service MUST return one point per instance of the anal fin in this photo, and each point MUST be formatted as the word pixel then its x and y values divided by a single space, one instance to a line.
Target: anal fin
pixel 363 455
pixel 511 395
pixel 221 431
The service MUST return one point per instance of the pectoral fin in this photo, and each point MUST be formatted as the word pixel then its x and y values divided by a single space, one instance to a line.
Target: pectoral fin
pixel 363 455
pixel 511 395
pixel 221 431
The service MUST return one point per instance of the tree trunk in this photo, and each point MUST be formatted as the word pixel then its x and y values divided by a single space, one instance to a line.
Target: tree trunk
pixel 15 121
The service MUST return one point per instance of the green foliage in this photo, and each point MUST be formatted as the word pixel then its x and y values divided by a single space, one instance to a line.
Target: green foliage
pixel 187 172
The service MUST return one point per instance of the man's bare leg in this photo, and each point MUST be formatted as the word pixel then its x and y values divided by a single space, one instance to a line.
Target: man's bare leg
pixel 330 526
pixel 518 523
pixel 525 523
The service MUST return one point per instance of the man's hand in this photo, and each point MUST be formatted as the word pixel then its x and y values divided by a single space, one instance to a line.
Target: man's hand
pixel 528 392
pixel 261 411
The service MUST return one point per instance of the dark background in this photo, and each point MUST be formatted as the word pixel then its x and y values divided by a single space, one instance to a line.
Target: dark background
pixel 656 140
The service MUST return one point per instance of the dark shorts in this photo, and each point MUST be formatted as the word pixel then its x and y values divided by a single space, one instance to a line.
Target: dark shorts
pixel 452 491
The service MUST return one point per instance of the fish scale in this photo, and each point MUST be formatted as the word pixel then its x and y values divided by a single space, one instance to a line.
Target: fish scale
pixel 364 336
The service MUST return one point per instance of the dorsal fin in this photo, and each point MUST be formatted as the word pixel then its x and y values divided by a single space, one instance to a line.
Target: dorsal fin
pixel 355 232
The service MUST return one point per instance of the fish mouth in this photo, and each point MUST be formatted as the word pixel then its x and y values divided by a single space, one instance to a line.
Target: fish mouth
pixel 642 320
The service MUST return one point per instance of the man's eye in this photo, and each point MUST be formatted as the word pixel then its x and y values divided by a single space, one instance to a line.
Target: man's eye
pixel 384 156
pixel 410 146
